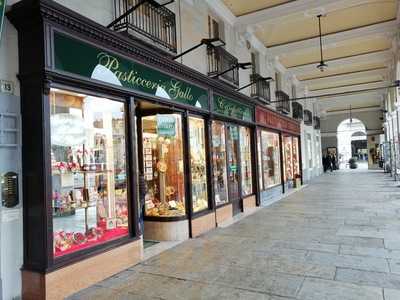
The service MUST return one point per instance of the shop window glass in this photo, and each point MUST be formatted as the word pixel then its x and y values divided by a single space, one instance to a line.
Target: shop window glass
pixel 232 147
pixel 270 160
pixel 245 159
pixel 220 180
pixel 163 165
pixel 260 158
pixel 198 164
pixel 88 159
pixel 288 154
pixel 295 155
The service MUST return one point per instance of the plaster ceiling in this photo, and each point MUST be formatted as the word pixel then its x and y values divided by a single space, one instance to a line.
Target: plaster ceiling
pixel 340 50
pixel 342 70
pixel 300 26
pixel 242 7
pixel 369 101
pixel 344 82
pixel 353 32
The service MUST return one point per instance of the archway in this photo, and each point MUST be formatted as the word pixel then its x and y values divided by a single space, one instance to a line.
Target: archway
pixel 352 141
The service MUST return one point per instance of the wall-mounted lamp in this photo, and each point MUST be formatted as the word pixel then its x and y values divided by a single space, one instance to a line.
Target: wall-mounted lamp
pixel 214 42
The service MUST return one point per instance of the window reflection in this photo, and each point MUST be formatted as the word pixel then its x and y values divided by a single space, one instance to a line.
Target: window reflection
pixel 88 159
pixel 232 147
pixel 198 164
pixel 270 159
pixel 163 165
pixel 219 163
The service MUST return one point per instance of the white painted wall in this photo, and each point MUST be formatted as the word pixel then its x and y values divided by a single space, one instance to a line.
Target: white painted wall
pixel 11 247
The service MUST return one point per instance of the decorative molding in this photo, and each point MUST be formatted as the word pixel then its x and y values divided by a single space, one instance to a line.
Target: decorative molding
pixel 222 11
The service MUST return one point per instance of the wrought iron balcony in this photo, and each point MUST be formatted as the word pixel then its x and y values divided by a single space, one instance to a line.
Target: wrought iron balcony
pixel 220 60
pixel 308 119
pixel 297 109
pixel 260 88
pixel 149 20
pixel 283 104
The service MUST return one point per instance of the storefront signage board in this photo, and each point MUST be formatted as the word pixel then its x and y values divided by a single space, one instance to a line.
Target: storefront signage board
pixel 80 58
pixel 273 120
pixel 2 10
pixel 231 108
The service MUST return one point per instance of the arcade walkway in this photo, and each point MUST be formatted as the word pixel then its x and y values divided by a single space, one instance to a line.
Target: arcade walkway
pixel 338 238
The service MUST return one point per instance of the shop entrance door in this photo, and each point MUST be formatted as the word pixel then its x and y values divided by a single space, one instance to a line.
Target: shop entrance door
pixel 232 149
pixel 161 166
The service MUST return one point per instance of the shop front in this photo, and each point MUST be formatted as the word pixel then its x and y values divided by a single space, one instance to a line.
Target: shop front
pixel 232 157
pixel 278 148
pixel 120 144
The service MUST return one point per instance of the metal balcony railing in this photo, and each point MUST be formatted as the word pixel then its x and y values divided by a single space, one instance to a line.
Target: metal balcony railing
pixel 283 104
pixel 220 60
pixel 260 88
pixel 148 19
pixel 297 109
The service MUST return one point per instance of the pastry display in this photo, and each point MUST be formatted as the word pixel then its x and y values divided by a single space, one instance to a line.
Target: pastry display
pixel 163 166
pixel 88 171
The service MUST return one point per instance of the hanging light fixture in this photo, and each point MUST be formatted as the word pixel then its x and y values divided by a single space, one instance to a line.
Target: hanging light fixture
pixel 322 65
pixel 351 117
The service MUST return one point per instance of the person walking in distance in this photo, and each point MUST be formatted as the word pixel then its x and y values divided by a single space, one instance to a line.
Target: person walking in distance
pixel 329 162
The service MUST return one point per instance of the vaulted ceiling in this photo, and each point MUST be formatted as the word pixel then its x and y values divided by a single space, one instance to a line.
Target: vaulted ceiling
pixel 357 40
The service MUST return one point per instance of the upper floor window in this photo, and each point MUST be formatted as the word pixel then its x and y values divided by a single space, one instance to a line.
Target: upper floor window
pixel 255 61
pixel 278 81
pixel 215 28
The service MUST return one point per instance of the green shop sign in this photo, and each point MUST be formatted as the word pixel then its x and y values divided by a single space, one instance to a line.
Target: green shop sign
pixel 2 10
pixel 231 108
pixel 80 58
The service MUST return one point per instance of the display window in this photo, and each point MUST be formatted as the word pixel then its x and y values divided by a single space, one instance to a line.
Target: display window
pixel 88 168
pixel 270 159
pixel 232 147
pixel 163 165
pixel 198 165
pixel 295 157
pixel 260 158
pixel 245 160
pixel 288 161
pixel 220 180
pixel 291 157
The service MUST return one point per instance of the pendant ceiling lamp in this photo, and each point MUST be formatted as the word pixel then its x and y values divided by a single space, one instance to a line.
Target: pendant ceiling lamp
pixel 322 65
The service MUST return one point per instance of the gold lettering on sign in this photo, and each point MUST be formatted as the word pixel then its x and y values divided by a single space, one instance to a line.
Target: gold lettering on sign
pixel 175 88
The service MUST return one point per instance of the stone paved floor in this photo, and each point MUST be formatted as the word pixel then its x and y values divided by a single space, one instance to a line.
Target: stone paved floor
pixel 338 238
